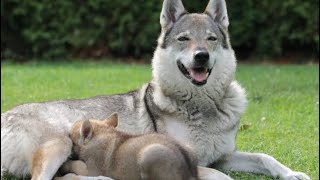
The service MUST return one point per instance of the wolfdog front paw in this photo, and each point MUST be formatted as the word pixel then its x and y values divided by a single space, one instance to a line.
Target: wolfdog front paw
pixel 296 176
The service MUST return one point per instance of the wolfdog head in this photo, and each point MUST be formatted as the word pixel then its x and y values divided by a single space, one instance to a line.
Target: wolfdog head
pixel 193 48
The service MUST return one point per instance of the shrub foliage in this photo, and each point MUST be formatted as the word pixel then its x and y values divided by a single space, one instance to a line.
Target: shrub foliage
pixel 61 28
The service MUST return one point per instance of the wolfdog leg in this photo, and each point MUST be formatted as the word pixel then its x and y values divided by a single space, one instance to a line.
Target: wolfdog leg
pixel 49 157
pixel 209 173
pixel 77 177
pixel 259 163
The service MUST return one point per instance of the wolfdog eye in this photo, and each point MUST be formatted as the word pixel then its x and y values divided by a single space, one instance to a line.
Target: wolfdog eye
pixel 183 38
pixel 212 38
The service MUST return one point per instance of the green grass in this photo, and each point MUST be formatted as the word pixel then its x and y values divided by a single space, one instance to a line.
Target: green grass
pixel 282 115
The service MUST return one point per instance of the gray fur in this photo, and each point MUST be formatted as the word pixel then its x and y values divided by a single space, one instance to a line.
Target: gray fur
pixel 201 110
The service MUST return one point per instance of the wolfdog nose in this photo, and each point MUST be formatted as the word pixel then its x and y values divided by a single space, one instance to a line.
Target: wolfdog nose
pixel 201 57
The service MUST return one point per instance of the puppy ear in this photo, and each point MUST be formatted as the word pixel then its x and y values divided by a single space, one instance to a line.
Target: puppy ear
pixel 217 10
pixel 86 131
pixel 112 120
pixel 170 13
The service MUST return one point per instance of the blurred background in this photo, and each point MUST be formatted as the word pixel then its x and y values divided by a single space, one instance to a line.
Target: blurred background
pixel 269 30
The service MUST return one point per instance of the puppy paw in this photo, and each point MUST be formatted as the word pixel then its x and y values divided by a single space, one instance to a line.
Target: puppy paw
pixel 296 176
pixel 79 168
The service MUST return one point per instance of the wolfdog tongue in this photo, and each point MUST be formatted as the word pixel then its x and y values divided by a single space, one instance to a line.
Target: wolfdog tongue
pixel 198 75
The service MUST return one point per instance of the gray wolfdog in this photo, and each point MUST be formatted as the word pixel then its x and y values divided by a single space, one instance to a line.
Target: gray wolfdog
pixel 192 97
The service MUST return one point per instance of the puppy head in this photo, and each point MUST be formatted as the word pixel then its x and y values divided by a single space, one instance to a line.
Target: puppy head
pixel 83 131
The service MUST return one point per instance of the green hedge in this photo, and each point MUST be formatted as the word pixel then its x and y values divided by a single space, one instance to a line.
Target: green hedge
pixel 272 27
pixel 63 28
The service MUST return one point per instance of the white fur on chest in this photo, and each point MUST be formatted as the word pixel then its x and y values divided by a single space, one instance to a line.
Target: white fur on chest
pixel 210 131
pixel 177 129
pixel 208 142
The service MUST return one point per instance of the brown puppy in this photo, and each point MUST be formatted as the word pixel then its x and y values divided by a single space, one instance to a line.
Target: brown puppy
pixel 109 152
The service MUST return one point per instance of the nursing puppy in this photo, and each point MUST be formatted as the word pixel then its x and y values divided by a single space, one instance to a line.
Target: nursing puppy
pixel 109 152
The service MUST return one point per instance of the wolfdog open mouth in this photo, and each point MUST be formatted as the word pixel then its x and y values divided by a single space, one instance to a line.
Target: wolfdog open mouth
pixel 197 75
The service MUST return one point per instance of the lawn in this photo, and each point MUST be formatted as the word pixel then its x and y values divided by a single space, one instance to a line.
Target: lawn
pixel 282 118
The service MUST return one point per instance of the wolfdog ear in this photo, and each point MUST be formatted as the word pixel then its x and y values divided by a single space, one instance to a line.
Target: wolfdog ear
pixel 217 10
pixel 170 13
pixel 112 120
pixel 86 130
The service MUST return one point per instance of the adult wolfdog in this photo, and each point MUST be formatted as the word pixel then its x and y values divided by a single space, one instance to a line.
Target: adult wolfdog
pixel 192 97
